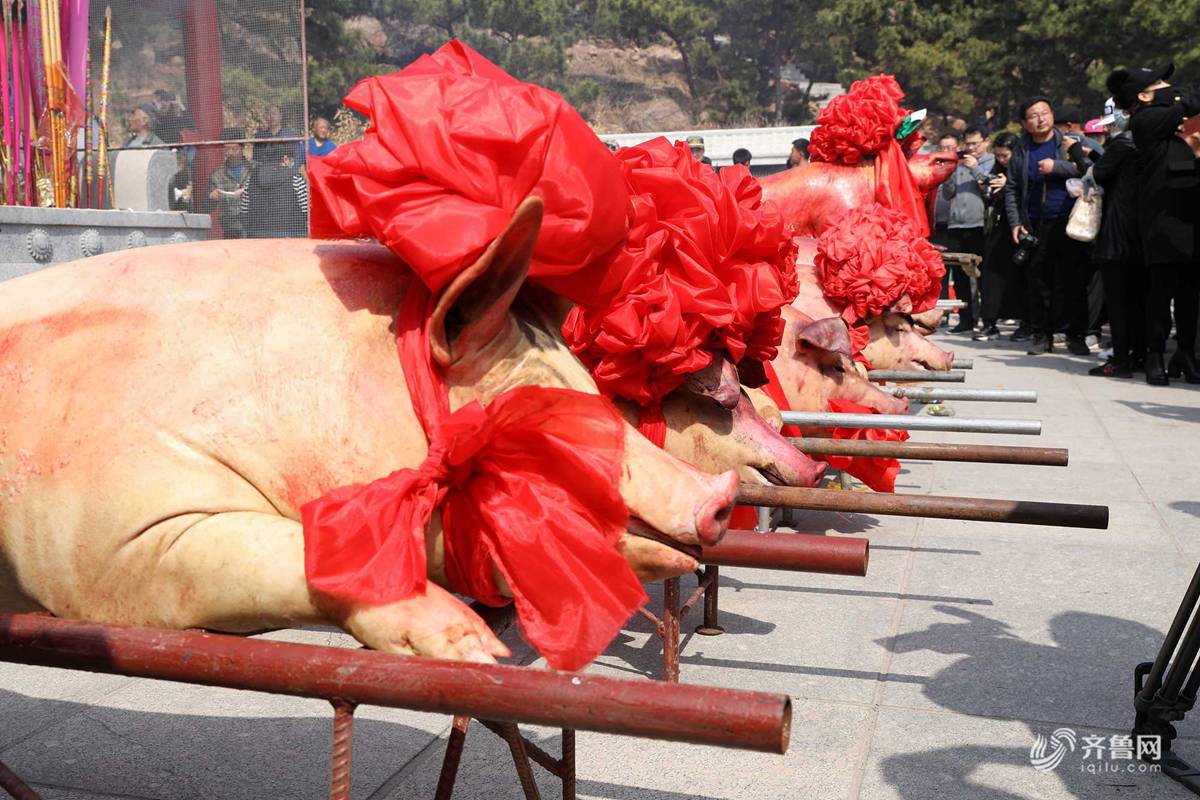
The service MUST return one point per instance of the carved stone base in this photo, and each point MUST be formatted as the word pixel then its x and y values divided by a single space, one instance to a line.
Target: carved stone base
pixel 34 238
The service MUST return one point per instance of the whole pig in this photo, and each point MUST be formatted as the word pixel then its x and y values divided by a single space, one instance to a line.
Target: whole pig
pixel 809 195
pixel 164 413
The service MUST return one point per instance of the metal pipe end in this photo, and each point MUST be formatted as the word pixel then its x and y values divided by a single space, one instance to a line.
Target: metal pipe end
pixel 785 729
pixel 866 562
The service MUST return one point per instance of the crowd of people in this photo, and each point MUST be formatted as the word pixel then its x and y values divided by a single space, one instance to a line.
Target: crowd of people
pixel 262 195
pixel 1010 200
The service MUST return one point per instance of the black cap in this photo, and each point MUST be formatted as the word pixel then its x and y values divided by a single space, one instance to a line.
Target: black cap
pixel 1067 114
pixel 1030 102
pixel 1126 83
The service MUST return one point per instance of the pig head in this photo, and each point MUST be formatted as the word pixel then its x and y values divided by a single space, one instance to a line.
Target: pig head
pixel 814 366
pixel 710 422
pixel 897 344
pixel 163 418
pixel 894 344
pixel 809 195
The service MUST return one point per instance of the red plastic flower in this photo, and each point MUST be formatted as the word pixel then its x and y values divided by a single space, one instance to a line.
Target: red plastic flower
pixel 454 145
pixel 872 260
pixel 706 266
pixel 860 123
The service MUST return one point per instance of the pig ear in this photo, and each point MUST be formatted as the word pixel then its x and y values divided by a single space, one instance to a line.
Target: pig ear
pixel 473 308
pixel 826 334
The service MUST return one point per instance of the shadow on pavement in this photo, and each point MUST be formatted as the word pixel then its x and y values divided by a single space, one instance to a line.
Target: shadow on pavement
pixel 1164 411
pixel 1082 681
pixel 1186 506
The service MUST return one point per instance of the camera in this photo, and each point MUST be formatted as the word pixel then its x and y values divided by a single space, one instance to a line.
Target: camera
pixel 1025 244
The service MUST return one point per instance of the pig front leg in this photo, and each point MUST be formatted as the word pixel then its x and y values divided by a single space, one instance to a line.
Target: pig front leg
pixel 240 572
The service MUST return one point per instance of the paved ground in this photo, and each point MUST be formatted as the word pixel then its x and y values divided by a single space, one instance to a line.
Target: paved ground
pixel 930 678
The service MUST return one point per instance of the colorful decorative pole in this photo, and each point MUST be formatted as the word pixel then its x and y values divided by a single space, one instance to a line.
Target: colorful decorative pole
pixel 102 154
pixel 19 115
pixel 7 162
pixel 85 183
pixel 28 126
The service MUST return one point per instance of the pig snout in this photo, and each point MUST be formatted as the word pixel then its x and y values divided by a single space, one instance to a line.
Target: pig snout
pixel 712 517
pixel 773 456
pixel 924 353
pixel 677 500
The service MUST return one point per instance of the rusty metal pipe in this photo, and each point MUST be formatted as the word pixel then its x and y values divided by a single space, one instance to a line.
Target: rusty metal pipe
pixel 696 714
pixel 797 552
pixel 930 451
pixel 914 375
pixel 1024 512
pixel 16 788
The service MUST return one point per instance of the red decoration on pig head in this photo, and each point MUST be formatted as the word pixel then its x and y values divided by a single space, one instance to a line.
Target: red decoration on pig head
pixel 454 145
pixel 872 260
pixel 861 124
pixel 706 267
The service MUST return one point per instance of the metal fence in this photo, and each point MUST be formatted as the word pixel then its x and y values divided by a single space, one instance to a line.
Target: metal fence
pixel 207 111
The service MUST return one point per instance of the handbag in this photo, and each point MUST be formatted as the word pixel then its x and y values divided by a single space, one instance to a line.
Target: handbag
pixel 1086 215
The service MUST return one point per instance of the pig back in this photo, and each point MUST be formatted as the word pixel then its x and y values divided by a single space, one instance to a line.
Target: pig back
pixel 190 379
pixel 809 195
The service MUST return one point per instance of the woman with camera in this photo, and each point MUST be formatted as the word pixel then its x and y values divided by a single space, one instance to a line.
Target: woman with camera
pixel 1002 284
pixel 1168 214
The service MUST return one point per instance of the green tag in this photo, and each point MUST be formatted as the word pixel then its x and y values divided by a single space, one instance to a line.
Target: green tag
pixel 910 124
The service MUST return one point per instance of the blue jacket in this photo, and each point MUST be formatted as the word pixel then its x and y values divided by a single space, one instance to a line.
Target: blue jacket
pixel 1016 190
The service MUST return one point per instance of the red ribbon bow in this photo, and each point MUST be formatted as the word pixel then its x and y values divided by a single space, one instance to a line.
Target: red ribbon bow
pixel 528 484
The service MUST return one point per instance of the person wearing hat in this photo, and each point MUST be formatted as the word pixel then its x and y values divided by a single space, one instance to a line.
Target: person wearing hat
pixel 1096 129
pixel 1037 206
pixel 1168 213
pixel 697 145
pixel 141 127
pixel 1117 250
pixel 228 183
pixel 1068 120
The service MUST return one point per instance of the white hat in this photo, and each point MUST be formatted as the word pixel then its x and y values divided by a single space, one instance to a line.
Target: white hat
pixel 1110 112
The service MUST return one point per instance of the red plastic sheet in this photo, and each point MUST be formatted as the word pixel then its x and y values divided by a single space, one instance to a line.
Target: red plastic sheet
pixel 706 267
pixel 872 260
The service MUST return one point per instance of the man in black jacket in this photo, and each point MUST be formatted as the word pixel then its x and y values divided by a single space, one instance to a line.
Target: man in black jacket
pixel 1117 251
pixel 1037 203
pixel 1168 214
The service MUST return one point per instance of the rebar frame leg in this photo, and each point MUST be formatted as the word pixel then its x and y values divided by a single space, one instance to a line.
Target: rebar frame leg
pixel 11 783
pixel 343 746
pixel 516 745
pixel 450 762
pixel 567 764
pixel 711 625
pixel 670 623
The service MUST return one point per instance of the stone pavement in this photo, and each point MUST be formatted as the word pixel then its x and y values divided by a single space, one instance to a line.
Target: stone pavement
pixel 930 678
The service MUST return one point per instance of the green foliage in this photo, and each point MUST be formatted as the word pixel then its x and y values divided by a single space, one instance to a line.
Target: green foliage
pixel 951 56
